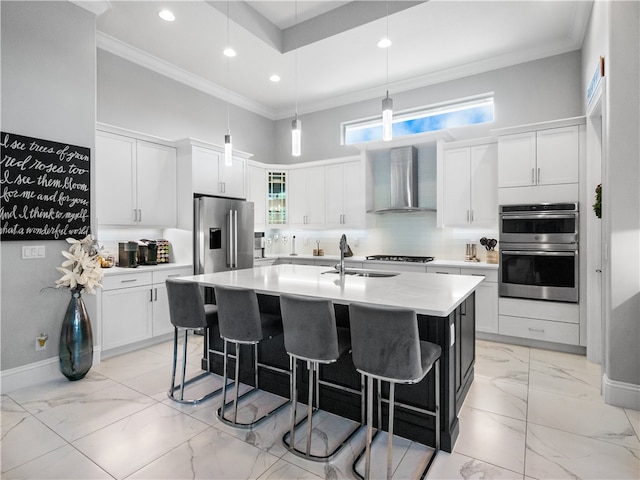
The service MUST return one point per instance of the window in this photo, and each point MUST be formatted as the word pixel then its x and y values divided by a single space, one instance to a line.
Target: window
pixel 429 119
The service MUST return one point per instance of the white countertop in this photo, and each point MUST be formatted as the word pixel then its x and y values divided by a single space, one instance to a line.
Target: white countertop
pixel 144 268
pixel 426 293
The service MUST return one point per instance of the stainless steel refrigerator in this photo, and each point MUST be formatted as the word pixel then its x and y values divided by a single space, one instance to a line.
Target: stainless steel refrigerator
pixel 223 234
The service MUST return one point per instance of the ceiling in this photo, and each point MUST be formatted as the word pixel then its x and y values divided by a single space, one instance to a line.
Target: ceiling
pixel 332 44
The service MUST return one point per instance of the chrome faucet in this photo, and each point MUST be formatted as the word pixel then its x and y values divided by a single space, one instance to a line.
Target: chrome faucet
pixel 343 249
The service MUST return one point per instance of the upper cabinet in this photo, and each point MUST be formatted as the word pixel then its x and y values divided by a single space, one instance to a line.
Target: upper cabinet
pixel 277 199
pixel 543 157
pixel 306 197
pixel 135 181
pixel 468 185
pixel 257 193
pixel 211 176
pixel 344 195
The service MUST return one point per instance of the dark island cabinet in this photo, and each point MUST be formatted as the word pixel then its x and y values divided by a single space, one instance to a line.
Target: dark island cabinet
pixel 341 382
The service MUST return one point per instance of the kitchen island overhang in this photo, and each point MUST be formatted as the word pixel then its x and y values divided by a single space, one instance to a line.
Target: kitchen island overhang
pixel 445 305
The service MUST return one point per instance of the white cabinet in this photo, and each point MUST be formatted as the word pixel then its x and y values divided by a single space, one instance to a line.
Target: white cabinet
pixel 469 186
pixel 486 299
pixel 543 157
pixel 555 322
pixel 210 175
pixel 134 306
pixel 344 194
pixel 257 193
pixel 486 294
pixel 135 181
pixel 306 197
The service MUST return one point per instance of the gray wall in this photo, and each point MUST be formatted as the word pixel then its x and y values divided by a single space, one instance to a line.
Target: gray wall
pixel 133 97
pixel 538 91
pixel 622 194
pixel 48 92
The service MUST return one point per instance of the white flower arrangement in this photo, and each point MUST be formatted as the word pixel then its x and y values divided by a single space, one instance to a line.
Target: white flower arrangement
pixel 82 269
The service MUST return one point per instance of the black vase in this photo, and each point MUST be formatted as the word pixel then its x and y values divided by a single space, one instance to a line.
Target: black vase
pixel 76 339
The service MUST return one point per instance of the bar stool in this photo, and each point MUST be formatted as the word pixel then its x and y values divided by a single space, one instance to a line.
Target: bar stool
pixel 188 312
pixel 387 347
pixel 311 335
pixel 242 323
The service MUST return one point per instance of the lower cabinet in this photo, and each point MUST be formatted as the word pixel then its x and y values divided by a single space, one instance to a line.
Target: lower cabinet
pixel 134 307
pixel 555 322
pixel 486 305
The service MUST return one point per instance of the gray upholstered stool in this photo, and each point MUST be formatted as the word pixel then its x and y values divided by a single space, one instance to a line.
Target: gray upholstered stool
pixel 242 323
pixel 188 313
pixel 311 335
pixel 387 347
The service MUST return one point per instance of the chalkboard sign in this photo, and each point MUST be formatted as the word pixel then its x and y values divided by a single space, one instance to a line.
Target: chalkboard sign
pixel 44 189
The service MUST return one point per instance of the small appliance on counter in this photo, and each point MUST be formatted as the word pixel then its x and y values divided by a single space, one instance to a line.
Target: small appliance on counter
pixel 258 244
pixel 471 254
pixel 151 247
pixel 128 254
pixel 162 251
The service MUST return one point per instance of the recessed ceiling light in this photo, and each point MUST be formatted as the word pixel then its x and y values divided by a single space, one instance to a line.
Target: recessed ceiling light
pixel 229 52
pixel 384 43
pixel 167 15
pixel 274 78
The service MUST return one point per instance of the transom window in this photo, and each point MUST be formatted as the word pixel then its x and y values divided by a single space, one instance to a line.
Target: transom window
pixel 426 119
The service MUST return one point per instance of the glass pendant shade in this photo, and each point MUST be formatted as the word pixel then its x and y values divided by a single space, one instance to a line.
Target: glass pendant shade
pixel 228 150
pixel 387 118
pixel 296 137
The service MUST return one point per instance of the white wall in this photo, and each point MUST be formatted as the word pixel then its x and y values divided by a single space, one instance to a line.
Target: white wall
pixel 48 92
pixel 621 194
pixel 537 91
pixel 135 98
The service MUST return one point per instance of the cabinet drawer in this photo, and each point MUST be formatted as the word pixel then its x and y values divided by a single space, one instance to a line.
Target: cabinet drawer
pixel 447 270
pixel 488 274
pixel 548 331
pixel 126 280
pixel 555 311
pixel 160 276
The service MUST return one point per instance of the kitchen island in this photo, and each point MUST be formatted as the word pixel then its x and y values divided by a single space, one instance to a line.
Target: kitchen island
pixel 446 316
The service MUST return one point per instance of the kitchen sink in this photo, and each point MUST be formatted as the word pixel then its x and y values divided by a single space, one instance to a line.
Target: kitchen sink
pixel 364 273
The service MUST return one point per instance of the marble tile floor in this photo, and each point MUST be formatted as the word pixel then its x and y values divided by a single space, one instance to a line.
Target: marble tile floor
pixel 530 414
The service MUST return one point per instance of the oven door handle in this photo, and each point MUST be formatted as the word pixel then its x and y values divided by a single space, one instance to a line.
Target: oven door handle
pixel 537 253
pixel 506 216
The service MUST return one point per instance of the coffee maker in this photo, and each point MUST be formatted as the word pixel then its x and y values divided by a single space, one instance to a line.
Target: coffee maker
pixel 151 246
pixel 128 254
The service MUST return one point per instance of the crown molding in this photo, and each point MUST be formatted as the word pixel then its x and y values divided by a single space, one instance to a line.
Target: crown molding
pixel 139 57
pixel 97 7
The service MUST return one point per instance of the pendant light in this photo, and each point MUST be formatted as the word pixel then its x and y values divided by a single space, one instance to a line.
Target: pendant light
pixel 387 103
pixel 228 147
pixel 296 125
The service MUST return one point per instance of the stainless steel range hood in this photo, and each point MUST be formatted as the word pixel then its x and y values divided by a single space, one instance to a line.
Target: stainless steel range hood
pixel 404 182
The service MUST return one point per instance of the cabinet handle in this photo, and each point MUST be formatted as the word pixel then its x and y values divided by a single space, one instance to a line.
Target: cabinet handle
pixel 538 174
pixel 151 294
pixel 139 215
pixel 135 214
pixel 224 187
pixel 443 273
pixel 533 176
pixel 539 330
pixel 129 281
pixel 467 215
pixel 173 275
pixel 155 294
pixel 472 215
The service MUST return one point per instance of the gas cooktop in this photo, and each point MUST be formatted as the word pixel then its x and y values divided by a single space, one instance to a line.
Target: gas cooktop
pixel 400 258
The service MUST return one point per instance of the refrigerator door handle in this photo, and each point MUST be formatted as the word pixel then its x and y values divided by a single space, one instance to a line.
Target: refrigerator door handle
pixel 230 254
pixel 235 239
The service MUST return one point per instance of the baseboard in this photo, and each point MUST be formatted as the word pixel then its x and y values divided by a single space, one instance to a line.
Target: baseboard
pixel 34 373
pixel 620 394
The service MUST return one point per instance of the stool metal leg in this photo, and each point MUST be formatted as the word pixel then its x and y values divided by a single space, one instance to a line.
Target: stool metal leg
pixel 237 385
pixel 294 400
pixel 392 400
pixel 311 368
pixel 224 379
pixel 367 465
pixel 184 364
pixel 175 361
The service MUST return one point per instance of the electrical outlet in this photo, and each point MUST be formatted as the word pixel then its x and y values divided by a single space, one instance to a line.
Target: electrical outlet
pixel 31 252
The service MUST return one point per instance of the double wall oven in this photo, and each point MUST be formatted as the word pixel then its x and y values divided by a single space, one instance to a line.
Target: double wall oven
pixel 539 252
